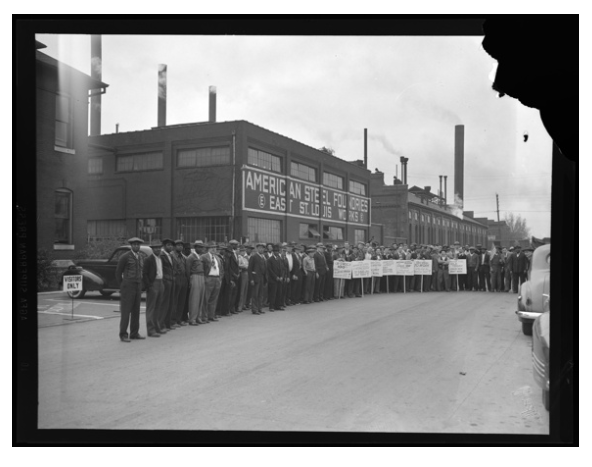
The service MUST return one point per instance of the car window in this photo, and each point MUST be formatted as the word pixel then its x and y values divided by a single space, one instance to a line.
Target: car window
pixel 118 254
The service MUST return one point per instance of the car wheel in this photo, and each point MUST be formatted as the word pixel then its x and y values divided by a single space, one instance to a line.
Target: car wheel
pixel 105 293
pixel 546 399
pixel 527 329
pixel 77 294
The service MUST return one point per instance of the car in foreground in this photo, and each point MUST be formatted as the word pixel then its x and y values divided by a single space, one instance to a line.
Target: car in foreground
pixel 532 293
pixel 540 352
pixel 99 274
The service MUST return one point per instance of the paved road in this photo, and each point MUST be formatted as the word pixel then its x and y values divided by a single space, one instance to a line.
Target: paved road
pixel 434 362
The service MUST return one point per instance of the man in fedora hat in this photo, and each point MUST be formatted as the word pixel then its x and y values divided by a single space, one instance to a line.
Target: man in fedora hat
pixel 473 263
pixel 518 265
pixel 152 278
pixel 275 272
pixel 322 269
pixel 496 270
pixel 257 278
pixel 197 287
pixel 233 272
pixel 128 275
pixel 213 279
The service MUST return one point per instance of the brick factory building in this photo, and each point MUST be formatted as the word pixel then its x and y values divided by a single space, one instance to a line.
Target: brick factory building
pixel 222 180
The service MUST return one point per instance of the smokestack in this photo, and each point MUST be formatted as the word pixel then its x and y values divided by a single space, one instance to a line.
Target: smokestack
pixel 445 190
pixel 440 192
pixel 162 90
pixel 212 104
pixel 404 169
pixel 96 57
pixel 459 158
pixel 117 128
pixel 366 147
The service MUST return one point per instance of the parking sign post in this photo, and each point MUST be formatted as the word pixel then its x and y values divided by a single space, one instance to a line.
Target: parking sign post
pixel 72 284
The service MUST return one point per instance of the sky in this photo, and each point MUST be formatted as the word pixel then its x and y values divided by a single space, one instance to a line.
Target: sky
pixel 409 92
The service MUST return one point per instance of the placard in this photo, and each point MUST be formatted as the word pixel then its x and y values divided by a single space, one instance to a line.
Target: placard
pixel 422 267
pixel 404 267
pixel 360 269
pixel 388 267
pixel 72 283
pixel 457 266
pixel 342 270
pixel 376 268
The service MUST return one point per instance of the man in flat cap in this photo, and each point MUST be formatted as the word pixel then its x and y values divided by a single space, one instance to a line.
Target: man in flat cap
pixel 473 263
pixel 496 263
pixel 213 278
pixel 233 276
pixel 181 278
pixel 152 278
pixel 129 279
pixel 257 278
pixel 321 269
pixel 168 278
pixel 197 287
pixel 518 264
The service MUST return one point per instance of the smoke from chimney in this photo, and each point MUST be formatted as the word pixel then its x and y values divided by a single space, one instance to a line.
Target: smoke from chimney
pixel 459 156
pixel 95 73
pixel 162 91
pixel 212 104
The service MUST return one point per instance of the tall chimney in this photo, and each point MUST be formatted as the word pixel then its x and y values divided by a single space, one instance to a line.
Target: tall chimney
pixel 445 190
pixel 440 192
pixel 404 169
pixel 212 104
pixel 162 90
pixel 459 156
pixel 366 147
pixel 96 57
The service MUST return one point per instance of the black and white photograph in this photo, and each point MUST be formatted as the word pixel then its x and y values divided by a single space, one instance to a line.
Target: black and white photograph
pixel 300 232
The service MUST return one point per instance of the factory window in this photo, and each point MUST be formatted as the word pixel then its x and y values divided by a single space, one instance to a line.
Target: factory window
pixel 63 122
pixel 357 188
pixel 415 215
pixel 264 160
pixel 332 233
pixel 106 229
pixel 203 157
pixel 208 229
pixel 409 215
pixel 308 231
pixel 95 166
pixel 264 230
pixel 140 162
pixel 63 216
pixel 333 180
pixel 151 229
pixel 304 172
pixel 359 236
pixel 422 218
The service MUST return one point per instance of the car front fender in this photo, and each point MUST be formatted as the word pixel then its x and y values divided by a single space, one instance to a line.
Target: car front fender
pixel 90 280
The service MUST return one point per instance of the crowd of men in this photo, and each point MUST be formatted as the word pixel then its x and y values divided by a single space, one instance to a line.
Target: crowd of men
pixel 191 287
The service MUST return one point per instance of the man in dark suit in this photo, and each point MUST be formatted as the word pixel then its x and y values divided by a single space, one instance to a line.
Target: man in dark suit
pixel 508 269
pixel 257 278
pixel 462 278
pixel 295 274
pixel 181 284
pixel 152 278
pixel 233 273
pixel 519 266
pixel 213 273
pixel 129 279
pixel 473 263
pixel 484 271
pixel 348 255
pixel 275 272
pixel 322 269
pixel 328 292
pixel 496 270
pixel 165 306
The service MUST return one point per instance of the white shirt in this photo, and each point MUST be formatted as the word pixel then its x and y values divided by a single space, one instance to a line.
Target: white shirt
pixel 158 267
pixel 290 260
pixel 214 271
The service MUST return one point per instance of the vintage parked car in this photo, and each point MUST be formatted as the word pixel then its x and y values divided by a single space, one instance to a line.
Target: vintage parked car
pixel 532 293
pixel 540 351
pixel 99 274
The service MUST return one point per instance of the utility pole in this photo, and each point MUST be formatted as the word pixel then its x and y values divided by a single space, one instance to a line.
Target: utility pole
pixel 497 202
